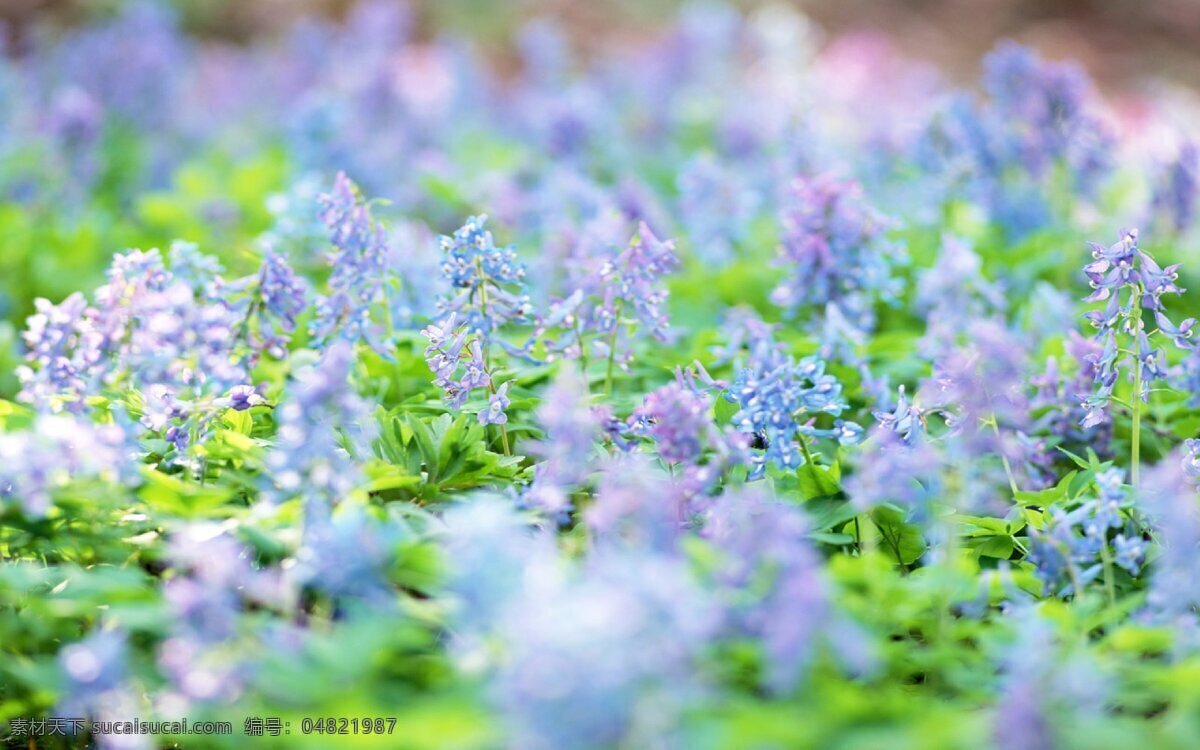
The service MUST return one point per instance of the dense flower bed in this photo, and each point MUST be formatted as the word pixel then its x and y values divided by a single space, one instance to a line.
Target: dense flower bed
pixel 722 390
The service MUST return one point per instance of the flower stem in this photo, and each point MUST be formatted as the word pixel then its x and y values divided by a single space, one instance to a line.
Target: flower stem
pixel 1109 587
pixel 1008 472
pixel 487 350
pixel 612 349
pixel 1135 437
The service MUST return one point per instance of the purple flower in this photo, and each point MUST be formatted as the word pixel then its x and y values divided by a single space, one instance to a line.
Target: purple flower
pixel 358 261
pixel 487 282
pixel 280 299
pixel 95 668
pixel 622 292
pixel 772 579
pixel 676 418
pixel 1042 687
pixel 242 397
pixel 1124 269
pixel 34 464
pixel 497 403
pixel 716 206
pixel 835 250
pixel 1011 151
pixel 348 556
pixel 572 429
pixel 1168 496
pixel 779 400
pixel 1177 187
pixel 319 424
pixel 890 469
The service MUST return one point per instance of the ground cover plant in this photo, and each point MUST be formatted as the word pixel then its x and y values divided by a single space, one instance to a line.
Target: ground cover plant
pixel 722 389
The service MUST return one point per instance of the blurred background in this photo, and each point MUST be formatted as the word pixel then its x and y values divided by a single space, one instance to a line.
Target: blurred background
pixel 1121 42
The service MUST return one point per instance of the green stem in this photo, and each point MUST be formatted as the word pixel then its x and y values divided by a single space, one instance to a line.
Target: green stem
pixel 1008 472
pixel 583 357
pixel 808 460
pixel 1109 587
pixel 612 349
pixel 487 350
pixel 1135 438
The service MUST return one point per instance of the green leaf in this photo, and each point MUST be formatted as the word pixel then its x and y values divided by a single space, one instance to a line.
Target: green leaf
pixel 902 541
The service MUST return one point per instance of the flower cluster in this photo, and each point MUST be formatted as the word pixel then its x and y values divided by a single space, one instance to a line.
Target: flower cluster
pixel 770 573
pixel 1076 546
pixel 322 425
pixel 835 251
pixel 1168 495
pixel 623 294
pixel 487 286
pixel 1175 195
pixel 1057 401
pixel 487 282
pixel 715 206
pixel 280 298
pixel 176 335
pixel 34 464
pixel 359 265
pixel 1129 281
pixel 215 580
pixel 1012 151
pixel 779 400
pixel 572 430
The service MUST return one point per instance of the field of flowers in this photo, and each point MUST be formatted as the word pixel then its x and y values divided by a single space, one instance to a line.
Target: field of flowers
pixel 728 388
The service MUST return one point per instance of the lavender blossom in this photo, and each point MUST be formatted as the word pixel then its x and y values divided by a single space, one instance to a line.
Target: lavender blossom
pixel 679 419
pixel 771 576
pixel 488 284
pixel 590 650
pixel 572 431
pixel 95 668
pixel 214 581
pixel 1071 551
pixel 359 262
pixel 1175 196
pixel 1021 150
pixel 280 298
pixel 716 207
pixel 636 505
pixel 348 556
pixel 779 400
pixel 1042 685
pixel 1058 400
pixel 310 459
pixel 835 251
pixel 34 464
pixel 1120 269
pixel 1168 496
pixel 889 469
pixel 610 304
pixel 487 281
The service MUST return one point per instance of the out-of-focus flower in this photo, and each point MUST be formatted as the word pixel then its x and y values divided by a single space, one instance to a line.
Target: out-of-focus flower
pixel 1175 195
pixel 1041 685
pixel 57 450
pixel 835 251
pixel 319 424
pixel 1022 150
pixel 624 293
pixel 572 430
pixel 715 207
pixel 772 577
pixel 359 268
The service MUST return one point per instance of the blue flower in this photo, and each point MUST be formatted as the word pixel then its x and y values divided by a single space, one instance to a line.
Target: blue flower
pixel 497 403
